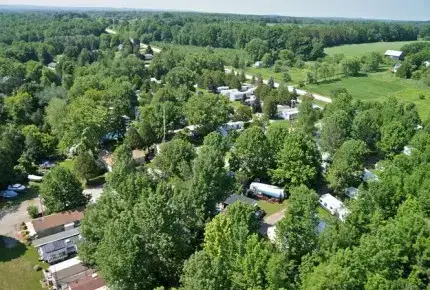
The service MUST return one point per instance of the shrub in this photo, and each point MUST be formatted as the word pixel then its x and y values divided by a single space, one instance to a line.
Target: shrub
pixel 33 211
pixel 37 268
pixel 422 97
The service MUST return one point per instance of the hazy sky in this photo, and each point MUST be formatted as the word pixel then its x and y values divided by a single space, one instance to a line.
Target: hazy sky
pixel 384 9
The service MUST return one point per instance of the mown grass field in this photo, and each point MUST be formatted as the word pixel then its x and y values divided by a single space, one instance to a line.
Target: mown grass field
pixel 296 74
pixel 271 208
pixel 364 48
pixel 16 268
pixel 379 86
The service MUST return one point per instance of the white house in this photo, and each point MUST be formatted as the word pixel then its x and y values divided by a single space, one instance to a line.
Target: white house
pixel 58 246
pixel 287 113
pixel 230 126
pixel 334 206
pixel 394 54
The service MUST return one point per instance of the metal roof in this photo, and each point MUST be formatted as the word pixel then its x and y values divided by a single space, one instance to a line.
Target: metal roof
pixel 235 197
pixel 56 237
pixel 393 53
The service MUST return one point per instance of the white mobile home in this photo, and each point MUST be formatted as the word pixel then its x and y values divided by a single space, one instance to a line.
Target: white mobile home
pixel 334 206
pixel 222 88
pixel 287 113
pixel 230 126
pixel 57 247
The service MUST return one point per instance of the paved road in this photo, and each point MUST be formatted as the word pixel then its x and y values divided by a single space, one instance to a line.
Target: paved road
pixel 271 220
pixel 291 88
pixel 12 217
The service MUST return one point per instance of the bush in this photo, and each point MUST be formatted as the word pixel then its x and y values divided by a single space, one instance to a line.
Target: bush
pixel 422 97
pixel 37 268
pixel 33 211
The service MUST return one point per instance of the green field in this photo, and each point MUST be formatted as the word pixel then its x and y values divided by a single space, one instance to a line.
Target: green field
pixel 360 49
pixel 16 268
pixel 378 86
pixel 297 75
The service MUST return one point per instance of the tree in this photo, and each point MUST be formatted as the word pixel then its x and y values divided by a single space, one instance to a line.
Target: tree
pixel 271 83
pixel 296 233
pixel 207 112
pixel 286 77
pixel 270 107
pixel 307 117
pixel 276 134
pixel 257 48
pixel 267 59
pixel 133 138
pixel 181 76
pixel 85 165
pixel 350 66
pixel 33 211
pixel 262 91
pixel 38 145
pixel 175 158
pixel 297 162
pixel 61 190
pixel 366 127
pixel 242 113
pixel 335 130
pixel 393 138
pixel 251 154
pixel 347 165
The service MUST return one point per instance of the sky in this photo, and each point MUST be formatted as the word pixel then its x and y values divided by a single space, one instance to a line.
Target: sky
pixel 375 9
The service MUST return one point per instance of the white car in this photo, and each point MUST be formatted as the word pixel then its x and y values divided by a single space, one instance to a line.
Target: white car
pixel 16 187
pixel 32 177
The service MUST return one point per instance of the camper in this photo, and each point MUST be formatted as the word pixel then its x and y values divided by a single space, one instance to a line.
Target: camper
pixel 334 206
pixel 267 190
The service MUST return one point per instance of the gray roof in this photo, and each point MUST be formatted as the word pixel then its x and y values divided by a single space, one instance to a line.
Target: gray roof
pixel 56 237
pixel 235 197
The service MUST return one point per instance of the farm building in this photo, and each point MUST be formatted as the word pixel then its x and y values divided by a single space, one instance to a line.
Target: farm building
pixel 334 206
pixel 267 190
pixel 58 246
pixel 395 54
pixel 54 223
pixel 287 113
pixel 235 198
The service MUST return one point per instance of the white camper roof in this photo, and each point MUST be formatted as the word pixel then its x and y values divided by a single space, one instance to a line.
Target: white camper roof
pixel 396 53
pixel 64 265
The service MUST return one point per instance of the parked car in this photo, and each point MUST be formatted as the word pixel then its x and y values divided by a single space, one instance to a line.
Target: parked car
pixel 16 187
pixel 8 194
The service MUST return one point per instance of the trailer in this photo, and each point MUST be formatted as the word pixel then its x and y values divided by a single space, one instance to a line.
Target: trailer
pixel 267 190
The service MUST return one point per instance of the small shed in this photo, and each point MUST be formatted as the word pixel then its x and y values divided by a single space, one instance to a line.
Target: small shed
pixel 395 54
pixel 235 198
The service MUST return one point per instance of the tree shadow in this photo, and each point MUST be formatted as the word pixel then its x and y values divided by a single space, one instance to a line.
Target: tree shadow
pixel 10 205
pixel 10 249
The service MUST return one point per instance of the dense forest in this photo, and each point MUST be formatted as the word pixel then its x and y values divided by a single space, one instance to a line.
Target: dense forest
pixel 68 89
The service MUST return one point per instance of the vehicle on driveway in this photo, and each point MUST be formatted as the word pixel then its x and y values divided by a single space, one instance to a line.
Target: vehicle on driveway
pixel 16 187
pixel 8 194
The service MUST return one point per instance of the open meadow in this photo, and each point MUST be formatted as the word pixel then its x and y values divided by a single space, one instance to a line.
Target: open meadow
pixel 360 49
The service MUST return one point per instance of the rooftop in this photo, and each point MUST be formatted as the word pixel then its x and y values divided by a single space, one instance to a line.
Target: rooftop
pixel 56 237
pixel 393 52
pixel 235 197
pixel 57 219
pixel 92 282
pixel 332 201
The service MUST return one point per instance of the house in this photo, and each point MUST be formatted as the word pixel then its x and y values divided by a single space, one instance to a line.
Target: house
pixel 235 198
pixel 55 223
pixel 351 192
pixel 287 113
pixel 267 190
pixel 230 126
pixel 258 64
pixel 60 275
pixel 92 282
pixel 58 246
pixel 396 67
pixel 334 206
pixel 395 54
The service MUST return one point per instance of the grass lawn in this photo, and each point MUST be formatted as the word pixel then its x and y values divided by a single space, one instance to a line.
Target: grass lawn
pixel 364 48
pixel 68 163
pixel 16 268
pixel 271 208
pixel 377 87
pixel 296 74
pixel 323 214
